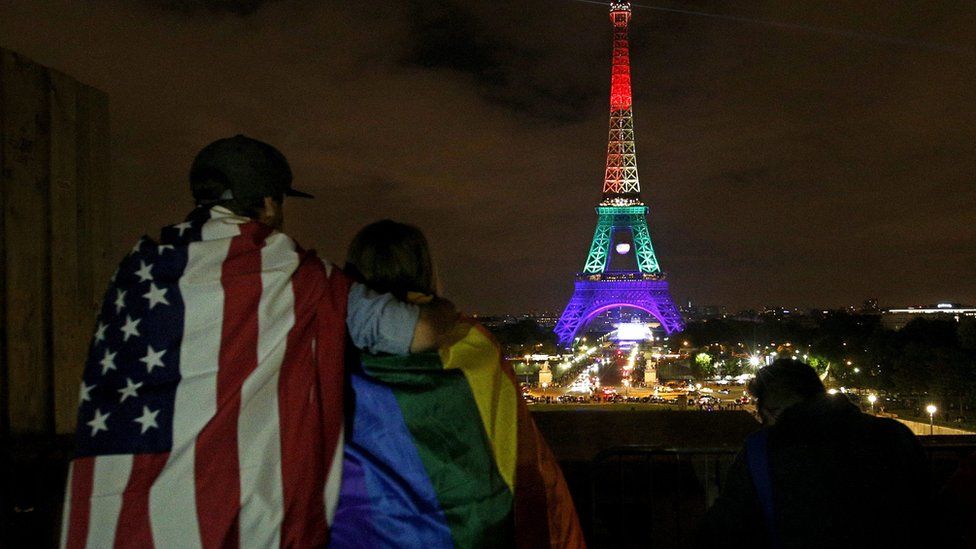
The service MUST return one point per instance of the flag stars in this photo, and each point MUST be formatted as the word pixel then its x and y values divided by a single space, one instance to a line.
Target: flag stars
pixel 119 300
pixel 155 295
pixel 98 422
pixel 100 331
pixel 147 419
pixel 130 328
pixel 138 247
pixel 84 392
pixel 145 271
pixel 108 362
pixel 153 359
pixel 130 390
pixel 164 247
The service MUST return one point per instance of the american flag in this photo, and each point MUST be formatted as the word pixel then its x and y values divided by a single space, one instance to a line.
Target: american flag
pixel 211 401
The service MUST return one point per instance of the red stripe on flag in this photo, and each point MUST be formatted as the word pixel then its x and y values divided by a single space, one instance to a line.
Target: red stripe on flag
pixel 331 357
pixel 82 479
pixel 216 463
pixel 134 527
pixel 303 415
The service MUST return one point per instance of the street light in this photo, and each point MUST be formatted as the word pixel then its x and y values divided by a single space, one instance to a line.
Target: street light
pixel 931 410
pixel 872 399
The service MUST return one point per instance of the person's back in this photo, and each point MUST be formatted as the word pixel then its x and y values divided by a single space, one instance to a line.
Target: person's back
pixel 441 451
pixel 844 478
pixel 836 477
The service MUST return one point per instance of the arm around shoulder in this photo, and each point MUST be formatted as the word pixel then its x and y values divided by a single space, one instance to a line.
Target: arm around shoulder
pixel 434 325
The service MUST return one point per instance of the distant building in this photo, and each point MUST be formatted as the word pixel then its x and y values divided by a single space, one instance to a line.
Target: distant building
pixel 896 319
pixel 693 312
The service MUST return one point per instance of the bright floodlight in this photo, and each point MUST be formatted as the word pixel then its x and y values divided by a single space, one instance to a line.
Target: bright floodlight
pixel 872 399
pixel 754 360
pixel 622 248
pixel 632 331
pixel 931 409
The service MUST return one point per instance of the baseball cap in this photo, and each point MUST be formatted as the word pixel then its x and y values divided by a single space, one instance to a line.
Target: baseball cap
pixel 248 170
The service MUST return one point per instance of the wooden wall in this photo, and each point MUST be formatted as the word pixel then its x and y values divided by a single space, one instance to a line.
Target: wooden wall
pixel 54 165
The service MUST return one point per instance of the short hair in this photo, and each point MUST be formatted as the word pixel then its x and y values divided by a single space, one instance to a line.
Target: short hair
pixel 786 376
pixel 392 257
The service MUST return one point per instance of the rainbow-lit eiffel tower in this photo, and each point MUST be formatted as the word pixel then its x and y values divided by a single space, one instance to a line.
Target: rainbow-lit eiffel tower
pixel 622 219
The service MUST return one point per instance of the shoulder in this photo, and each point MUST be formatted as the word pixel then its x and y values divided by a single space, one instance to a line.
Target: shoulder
pixel 893 430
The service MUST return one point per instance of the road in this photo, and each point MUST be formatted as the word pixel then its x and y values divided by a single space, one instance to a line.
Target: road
pixel 609 371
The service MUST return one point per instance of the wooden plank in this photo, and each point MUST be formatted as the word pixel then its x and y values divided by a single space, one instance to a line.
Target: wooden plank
pixel 69 324
pixel 4 414
pixel 92 188
pixel 103 264
pixel 26 148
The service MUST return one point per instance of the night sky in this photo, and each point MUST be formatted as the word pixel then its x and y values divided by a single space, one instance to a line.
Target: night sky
pixel 818 162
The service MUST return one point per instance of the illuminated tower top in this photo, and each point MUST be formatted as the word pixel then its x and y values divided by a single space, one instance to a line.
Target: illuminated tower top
pixel 621 185
pixel 603 284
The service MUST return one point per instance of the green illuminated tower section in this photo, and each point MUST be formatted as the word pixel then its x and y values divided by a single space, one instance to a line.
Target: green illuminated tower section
pixel 622 218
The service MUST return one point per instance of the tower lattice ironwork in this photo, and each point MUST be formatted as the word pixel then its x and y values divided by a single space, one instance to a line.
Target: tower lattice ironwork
pixel 621 215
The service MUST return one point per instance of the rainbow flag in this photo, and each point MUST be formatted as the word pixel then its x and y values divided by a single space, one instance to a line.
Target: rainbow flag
pixel 442 452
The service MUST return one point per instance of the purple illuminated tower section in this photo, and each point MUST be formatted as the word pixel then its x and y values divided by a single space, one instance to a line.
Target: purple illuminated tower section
pixel 622 220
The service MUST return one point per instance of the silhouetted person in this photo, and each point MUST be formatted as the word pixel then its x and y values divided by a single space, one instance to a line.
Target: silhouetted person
pixel 820 473
pixel 956 505
pixel 441 451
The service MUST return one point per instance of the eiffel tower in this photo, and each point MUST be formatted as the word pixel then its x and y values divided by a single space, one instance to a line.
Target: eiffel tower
pixel 622 219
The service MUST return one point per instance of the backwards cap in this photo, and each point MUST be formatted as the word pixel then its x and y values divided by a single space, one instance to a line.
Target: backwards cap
pixel 243 169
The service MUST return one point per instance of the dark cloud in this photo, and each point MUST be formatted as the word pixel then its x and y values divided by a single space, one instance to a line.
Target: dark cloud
pixel 238 7
pixel 780 165
pixel 449 35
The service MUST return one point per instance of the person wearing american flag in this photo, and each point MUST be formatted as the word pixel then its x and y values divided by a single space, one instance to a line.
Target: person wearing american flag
pixel 211 404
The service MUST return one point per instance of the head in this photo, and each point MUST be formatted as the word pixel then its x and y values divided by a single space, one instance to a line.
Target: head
pixel 782 384
pixel 392 257
pixel 249 177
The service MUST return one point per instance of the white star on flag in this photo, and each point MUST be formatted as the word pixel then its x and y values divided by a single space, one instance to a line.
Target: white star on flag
pixel 84 394
pixel 108 361
pixel 130 328
pixel 138 247
pixel 100 331
pixel 153 359
pixel 155 295
pixel 183 226
pixel 164 247
pixel 130 390
pixel 147 419
pixel 145 271
pixel 119 300
pixel 98 422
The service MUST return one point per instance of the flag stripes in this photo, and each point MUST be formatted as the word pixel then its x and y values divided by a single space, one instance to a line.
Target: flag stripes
pixel 254 374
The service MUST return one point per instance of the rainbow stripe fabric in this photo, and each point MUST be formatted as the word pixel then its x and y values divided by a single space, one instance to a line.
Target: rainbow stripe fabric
pixel 442 452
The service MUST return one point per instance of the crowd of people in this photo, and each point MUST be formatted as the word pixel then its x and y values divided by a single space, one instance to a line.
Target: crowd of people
pixel 408 425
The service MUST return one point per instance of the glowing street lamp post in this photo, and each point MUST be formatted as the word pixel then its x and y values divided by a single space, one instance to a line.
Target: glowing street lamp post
pixel 872 399
pixel 931 409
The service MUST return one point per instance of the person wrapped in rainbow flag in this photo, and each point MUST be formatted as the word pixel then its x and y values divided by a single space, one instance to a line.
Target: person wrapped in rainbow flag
pixel 440 449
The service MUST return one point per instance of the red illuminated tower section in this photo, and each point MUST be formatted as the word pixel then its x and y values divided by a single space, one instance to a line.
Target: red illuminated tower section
pixel 621 184
pixel 621 227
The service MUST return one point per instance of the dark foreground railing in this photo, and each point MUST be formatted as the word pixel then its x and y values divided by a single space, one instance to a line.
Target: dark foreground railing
pixel 627 496
pixel 647 496
pixel 654 497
